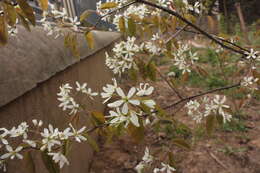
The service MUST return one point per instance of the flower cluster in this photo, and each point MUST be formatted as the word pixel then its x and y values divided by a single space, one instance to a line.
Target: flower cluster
pixel 250 82
pixel 153 46
pixel 146 161
pixel 139 11
pixel 53 28
pixel 165 168
pixel 184 58
pixel 214 106
pixel 196 8
pixel 123 56
pixel 253 55
pixel 127 105
pixel 50 140
pixel 67 100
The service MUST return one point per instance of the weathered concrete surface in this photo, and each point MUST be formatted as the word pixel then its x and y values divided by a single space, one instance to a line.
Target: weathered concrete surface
pixel 31 70
pixel 33 57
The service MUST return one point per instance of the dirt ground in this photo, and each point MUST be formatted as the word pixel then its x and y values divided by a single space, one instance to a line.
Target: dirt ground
pixel 234 151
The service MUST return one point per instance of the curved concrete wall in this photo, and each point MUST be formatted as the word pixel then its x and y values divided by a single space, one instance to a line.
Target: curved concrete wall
pixel 31 72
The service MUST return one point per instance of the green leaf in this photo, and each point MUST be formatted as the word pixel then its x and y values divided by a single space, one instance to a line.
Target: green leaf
pixel 66 147
pixel 29 163
pixel 24 22
pixel 171 160
pixel 210 124
pixel 137 133
pixel 131 27
pixel 90 39
pixel 92 142
pixel 98 117
pixel 219 119
pixel 151 71
pixel 49 163
pixel 108 5
pixel 3 31
pixel 142 69
pixel 86 14
pixel 11 14
pixel 181 143
pixel 44 4
pixel 121 24
pixel 133 74
pixel 27 10
pixel 67 40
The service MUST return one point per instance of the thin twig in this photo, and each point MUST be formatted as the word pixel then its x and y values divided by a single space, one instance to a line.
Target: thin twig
pixel 202 94
pixel 217 160
pixel 177 33
pixel 219 38
pixel 174 13
pixel 169 83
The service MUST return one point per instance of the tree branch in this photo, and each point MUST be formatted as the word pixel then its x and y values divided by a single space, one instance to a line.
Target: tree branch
pixel 202 94
pixel 190 24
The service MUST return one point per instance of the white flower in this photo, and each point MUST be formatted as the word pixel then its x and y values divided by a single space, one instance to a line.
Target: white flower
pixel 65 134
pixel 165 168
pixel 252 54
pixel 192 105
pixel 58 14
pixel 77 134
pixel 123 56
pixel 75 23
pixel 193 57
pixel 249 82
pixel 59 158
pixel 147 158
pixel 218 107
pixel 139 168
pixel 50 138
pixel 30 142
pixel 109 90
pixel 67 102
pixel 81 88
pixel 171 74
pixel 155 37
pixel 74 107
pixel 144 90
pixel 125 100
pixel 141 11
pixel 3 165
pixel 153 48
pixel 219 103
pixel 12 153
pixel 37 123
pixel 3 135
pixel 119 117
pixel 21 130
pixel 149 103
pixel 12 31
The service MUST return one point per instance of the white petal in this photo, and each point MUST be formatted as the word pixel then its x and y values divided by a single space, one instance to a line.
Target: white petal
pixel 134 119
pixel 116 103
pixel 120 92
pixel 5 156
pixel 19 156
pixel 131 92
pixel 134 102
pixel 125 109
pixel 149 103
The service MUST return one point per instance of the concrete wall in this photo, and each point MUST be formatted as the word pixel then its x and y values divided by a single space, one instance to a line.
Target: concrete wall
pixel 41 103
